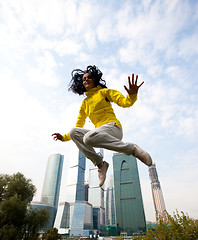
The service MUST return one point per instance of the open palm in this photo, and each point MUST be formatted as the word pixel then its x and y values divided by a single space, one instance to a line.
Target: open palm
pixel 133 87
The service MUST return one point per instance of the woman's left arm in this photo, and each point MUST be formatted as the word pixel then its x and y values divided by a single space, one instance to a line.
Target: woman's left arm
pixel 122 101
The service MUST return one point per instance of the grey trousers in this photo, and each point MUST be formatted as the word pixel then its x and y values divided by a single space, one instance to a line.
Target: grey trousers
pixel 107 136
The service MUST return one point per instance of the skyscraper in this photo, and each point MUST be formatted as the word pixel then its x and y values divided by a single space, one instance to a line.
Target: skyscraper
pixel 158 199
pixel 52 180
pixel 96 198
pixel 109 201
pixel 51 188
pixel 76 178
pixel 130 215
pixel 75 215
pixel 82 214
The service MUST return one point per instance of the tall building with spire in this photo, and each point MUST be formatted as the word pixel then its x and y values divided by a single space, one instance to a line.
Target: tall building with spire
pixel 158 198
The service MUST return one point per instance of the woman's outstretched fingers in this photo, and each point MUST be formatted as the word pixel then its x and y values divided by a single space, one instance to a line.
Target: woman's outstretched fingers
pixel 132 77
pixel 136 79
pixel 129 81
pixel 133 87
pixel 140 84
pixel 57 136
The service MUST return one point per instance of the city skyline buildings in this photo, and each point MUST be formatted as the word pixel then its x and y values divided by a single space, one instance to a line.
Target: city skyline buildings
pixel 83 210
pixel 130 216
pixel 158 199
pixel 88 211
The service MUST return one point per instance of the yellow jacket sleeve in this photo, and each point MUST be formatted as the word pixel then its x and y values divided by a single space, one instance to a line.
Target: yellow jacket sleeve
pixel 66 137
pixel 81 116
pixel 122 101
pixel 79 123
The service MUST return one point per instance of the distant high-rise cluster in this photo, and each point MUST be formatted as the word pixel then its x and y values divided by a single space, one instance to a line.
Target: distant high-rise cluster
pixel 158 199
pixel 113 209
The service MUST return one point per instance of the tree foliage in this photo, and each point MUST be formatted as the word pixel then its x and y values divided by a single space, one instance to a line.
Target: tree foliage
pixel 17 220
pixel 35 220
pixel 51 234
pixel 176 227
pixel 16 184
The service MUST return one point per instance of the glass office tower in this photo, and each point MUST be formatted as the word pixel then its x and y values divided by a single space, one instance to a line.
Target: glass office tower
pixel 130 215
pixel 96 198
pixel 75 215
pixel 82 221
pixel 76 178
pixel 109 201
pixel 52 180
pixel 158 198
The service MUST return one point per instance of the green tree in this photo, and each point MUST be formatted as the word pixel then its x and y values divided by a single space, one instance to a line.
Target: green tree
pixel 16 219
pixel 35 220
pixel 178 226
pixel 51 234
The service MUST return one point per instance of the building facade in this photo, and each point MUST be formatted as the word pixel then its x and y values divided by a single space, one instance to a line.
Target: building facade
pixel 74 217
pixel 109 202
pixel 52 180
pixel 51 186
pixel 158 198
pixel 63 217
pixel 96 198
pixel 130 217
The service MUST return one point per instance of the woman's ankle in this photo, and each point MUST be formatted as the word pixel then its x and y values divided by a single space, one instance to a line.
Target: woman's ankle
pixel 100 165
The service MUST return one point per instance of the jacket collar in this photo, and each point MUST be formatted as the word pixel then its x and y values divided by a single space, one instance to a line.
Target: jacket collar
pixel 93 90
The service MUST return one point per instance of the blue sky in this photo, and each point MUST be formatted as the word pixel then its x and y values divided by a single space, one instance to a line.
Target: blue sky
pixel 42 41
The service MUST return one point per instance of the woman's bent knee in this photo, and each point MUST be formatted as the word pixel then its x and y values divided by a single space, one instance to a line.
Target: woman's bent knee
pixel 88 139
pixel 72 132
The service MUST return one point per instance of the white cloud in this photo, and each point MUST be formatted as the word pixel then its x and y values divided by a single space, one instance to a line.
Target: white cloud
pixel 90 39
pixel 106 30
pixel 84 58
pixel 188 126
pixel 188 46
pixel 45 71
pixel 178 75
pixel 150 32
pixel 155 70
pixel 67 47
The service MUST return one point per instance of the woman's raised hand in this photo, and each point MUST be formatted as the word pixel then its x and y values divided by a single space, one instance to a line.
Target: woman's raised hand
pixel 57 136
pixel 133 87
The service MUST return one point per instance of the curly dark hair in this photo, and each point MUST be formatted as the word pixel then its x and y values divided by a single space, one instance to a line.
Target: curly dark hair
pixel 76 83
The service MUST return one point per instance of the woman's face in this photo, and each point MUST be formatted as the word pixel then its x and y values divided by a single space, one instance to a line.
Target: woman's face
pixel 88 81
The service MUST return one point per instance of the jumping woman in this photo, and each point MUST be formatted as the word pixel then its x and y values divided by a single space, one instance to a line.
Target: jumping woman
pixel 97 106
